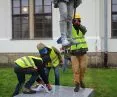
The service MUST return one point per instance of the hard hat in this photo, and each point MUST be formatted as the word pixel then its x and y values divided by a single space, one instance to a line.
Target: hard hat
pixel 40 46
pixel 77 15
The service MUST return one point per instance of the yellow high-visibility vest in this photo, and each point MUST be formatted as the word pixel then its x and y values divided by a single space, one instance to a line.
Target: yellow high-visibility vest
pixel 54 59
pixel 27 61
pixel 78 37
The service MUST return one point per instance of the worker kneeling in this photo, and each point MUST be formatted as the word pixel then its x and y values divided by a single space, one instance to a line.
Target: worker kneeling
pixel 30 65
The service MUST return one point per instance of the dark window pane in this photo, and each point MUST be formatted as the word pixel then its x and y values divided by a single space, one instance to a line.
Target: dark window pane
pixel 16 11
pixel 114 25
pixel 16 20
pixel 38 26
pixel 38 2
pixel 25 27
pixel 114 33
pixel 47 2
pixel 114 8
pixel 114 1
pixel 25 20
pixel 17 24
pixel 47 9
pixel 16 3
pixel 43 27
pixel 16 35
pixel 25 31
pixel 24 2
pixel 38 9
pixel 17 28
pixel 20 27
pixel 43 19
pixel 114 18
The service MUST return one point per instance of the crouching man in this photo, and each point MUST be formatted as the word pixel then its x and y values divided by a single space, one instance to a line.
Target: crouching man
pixel 33 66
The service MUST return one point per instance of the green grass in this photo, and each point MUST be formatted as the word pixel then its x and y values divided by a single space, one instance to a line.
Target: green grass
pixel 103 81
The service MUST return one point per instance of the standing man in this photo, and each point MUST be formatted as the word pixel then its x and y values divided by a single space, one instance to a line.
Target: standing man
pixel 55 57
pixel 66 8
pixel 78 52
pixel 33 66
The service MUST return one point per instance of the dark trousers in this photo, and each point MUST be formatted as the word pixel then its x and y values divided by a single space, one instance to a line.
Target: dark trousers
pixel 56 73
pixel 20 72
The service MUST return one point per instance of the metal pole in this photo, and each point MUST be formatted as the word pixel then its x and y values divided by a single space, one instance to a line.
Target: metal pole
pixel 105 34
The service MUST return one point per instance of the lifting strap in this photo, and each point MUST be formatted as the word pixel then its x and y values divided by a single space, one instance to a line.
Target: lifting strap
pixel 74 8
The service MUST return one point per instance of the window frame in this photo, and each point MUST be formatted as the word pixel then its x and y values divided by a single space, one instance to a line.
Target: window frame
pixel 43 14
pixel 112 13
pixel 20 15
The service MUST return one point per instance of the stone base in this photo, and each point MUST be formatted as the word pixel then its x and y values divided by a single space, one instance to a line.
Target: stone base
pixel 61 91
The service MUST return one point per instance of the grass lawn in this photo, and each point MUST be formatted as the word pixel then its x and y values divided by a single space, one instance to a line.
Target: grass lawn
pixel 103 81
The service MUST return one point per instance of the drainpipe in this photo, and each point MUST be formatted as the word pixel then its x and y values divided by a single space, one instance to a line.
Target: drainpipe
pixel 105 34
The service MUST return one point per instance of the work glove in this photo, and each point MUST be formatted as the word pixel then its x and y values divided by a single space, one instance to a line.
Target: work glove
pixel 83 29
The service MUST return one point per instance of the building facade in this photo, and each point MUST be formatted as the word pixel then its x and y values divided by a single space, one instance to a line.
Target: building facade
pixel 24 23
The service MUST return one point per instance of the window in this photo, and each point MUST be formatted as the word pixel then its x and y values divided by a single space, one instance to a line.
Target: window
pixel 43 19
pixel 114 19
pixel 31 19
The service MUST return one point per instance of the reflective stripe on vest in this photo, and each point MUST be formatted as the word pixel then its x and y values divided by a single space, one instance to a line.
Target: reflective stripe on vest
pixel 26 62
pixel 79 37
pixel 54 59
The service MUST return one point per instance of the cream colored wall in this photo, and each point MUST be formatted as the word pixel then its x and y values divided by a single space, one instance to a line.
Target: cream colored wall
pixel 92 17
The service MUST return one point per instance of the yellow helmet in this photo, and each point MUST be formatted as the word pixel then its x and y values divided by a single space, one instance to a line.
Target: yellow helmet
pixel 77 16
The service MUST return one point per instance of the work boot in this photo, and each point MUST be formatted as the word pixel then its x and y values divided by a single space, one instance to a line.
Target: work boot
pixel 49 87
pixel 28 91
pixel 76 89
pixel 82 85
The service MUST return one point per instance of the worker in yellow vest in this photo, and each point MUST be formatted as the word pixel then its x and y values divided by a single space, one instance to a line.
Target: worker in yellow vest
pixel 55 57
pixel 78 52
pixel 33 66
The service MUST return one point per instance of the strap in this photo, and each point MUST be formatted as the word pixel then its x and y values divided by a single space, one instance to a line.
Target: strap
pixel 74 9
pixel 78 37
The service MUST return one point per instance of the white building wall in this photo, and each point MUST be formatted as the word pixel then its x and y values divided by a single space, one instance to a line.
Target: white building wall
pixel 112 47
pixel 91 14
pixel 5 20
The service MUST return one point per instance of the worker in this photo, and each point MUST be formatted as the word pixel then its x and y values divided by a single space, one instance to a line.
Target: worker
pixel 66 8
pixel 33 66
pixel 78 52
pixel 56 59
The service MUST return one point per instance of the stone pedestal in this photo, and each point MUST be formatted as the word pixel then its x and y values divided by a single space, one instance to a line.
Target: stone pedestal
pixel 61 91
